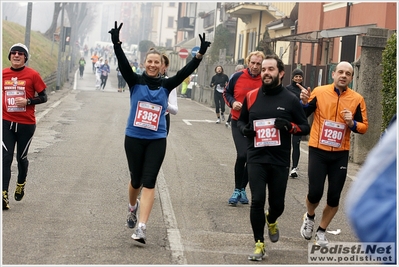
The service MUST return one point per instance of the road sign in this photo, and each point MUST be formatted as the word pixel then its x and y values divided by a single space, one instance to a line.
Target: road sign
pixel 195 50
pixel 183 53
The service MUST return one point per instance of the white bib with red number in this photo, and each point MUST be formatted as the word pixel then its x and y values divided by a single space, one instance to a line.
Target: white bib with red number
pixel 10 96
pixel 147 115
pixel 266 133
pixel 332 133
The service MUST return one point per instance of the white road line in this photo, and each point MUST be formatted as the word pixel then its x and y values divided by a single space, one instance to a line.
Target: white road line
pixel 174 237
pixel 188 122
pixel 75 82
pixel 43 113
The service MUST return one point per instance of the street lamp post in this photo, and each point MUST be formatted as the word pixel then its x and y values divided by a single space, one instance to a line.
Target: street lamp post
pixel 28 27
pixel 61 40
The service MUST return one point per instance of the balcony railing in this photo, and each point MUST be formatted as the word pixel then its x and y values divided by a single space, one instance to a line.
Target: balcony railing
pixel 231 5
pixel 209 20
pixel 186 24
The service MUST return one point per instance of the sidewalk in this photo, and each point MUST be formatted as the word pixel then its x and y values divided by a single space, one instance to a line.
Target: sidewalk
pixel 54 96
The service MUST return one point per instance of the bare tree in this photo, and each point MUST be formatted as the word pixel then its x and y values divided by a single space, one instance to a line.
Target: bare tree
pixel 49 33
pixel 80 17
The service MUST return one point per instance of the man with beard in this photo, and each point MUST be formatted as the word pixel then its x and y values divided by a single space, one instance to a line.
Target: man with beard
pixel 269 116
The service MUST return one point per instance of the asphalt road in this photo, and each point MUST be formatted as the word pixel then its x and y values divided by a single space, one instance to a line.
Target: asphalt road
pixel 75 203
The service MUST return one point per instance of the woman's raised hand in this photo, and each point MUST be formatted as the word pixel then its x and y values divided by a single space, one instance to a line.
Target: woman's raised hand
pixel 204 44
pixel 115 33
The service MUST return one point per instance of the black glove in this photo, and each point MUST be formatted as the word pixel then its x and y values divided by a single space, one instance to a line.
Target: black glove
pixel 204 44
pixel 281 124
pixel 247 131
pixel 115 33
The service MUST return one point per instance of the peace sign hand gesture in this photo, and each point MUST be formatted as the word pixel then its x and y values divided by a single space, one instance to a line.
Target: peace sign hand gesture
pixel 115 33
pixel 204 44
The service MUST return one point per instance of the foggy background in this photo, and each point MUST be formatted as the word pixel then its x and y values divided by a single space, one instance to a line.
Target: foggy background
pixel 16 12
pixel 42 15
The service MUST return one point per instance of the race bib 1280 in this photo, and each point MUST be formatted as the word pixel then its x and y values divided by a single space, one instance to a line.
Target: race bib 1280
pixel 332 133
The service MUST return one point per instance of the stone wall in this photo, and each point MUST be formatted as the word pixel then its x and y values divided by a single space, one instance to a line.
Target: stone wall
pixel 368 82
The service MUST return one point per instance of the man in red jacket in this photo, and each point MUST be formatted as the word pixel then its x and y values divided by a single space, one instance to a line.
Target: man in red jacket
pixel 239 85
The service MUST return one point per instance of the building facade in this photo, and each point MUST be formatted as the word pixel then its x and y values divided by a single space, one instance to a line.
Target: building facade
pixel 335 27
pixel 252 25
pixel 164 25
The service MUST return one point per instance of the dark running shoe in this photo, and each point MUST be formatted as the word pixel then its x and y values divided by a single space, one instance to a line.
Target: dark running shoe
pixel 132 216
pixel 19 191
pixel 6 205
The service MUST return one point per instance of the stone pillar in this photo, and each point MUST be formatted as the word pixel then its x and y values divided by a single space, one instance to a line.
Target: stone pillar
pixel 368 80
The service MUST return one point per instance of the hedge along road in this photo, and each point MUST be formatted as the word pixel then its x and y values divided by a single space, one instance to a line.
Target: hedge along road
pixel 75 205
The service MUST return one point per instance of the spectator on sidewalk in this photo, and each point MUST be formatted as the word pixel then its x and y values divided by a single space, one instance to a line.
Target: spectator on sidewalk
pixel 184 86
pixel 297 78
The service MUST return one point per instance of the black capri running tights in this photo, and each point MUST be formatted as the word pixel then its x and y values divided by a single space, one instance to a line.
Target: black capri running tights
pixel 144 157
pixel 324 164
pixel 274 178
pixel 240 167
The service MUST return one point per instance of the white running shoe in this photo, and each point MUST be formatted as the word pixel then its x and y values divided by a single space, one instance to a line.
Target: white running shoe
pixel 321 239
pixel 140 235
pixel 217 121
pixel 293 173
pixel 307 227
